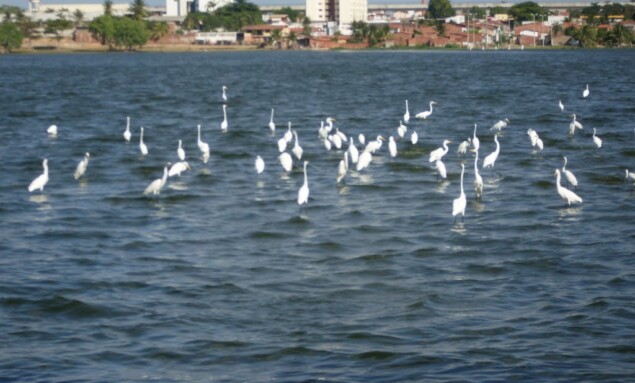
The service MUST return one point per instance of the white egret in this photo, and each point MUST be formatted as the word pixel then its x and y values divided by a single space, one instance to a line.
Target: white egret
pixel 414 137
pixel 142 146
pixel 180 152
pixel 401 129
pixel 156 185
pixel 462 149
pixel 224 93
pixel 532 136
pixel 392 146
pixel 336 140
pixel 438 153
pixel 458 205
pixel 478 180
pixel 178 168
pixel 575 124
pixel 40 181
pixel 282 144
pixel 327 143
pixel 490 160
pixel 329 124
pixel 322 130
pixel 597 140
pixel 585 92
pixel 500 125
pixel 297 149
pixel 288 136
pixel 272 125
pixel 406 116
pixel 364 160
pixel 569 174
pixel 441 169
pixel 374 145
pixel 286 161
pixel 561 105
pixel 203 146
pixel 126 134
pixel 426 113
pixel 629 177
pixel 342 168
pixel 81 166
pixel 259 164
pixel 341 135
pixel 223 125
pixel 52 130
pixel 303 193
pixel 565 193
pixel 476 143
pixel 352 151
pixel 361 139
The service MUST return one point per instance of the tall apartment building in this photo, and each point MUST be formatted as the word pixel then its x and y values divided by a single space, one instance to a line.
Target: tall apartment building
pixel 342 12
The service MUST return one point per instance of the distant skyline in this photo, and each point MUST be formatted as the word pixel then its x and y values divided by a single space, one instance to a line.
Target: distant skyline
pixel 24 3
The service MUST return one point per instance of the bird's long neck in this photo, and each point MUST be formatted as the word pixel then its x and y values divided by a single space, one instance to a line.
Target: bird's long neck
pixel 498 147
pixel 462 171
pixel 306 180
pixel 45 165
pixel 474 130
pixel 430 107
pixel 476 163
pixel 558 186
pixel 165 175
pixel 128 123
pixel 199 133
pixel 225 112
pixel 271 115
pixel 141 138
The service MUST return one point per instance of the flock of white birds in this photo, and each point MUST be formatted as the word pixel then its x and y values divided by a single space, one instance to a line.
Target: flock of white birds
pixel 334 139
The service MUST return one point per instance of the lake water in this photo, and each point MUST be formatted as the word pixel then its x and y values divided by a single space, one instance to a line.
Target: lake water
pixel 224 278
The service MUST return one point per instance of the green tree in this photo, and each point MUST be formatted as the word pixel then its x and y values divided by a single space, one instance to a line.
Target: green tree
pixel 10 36
pixel 292 14
pixel 361 31
pixel 619 36
pixel 527 11
pixel 103 29
pixel 130 34
pixel 138 9
pixel 292 39
pixel 498 10
pixel 440 9
pixel 306 27
pixel 477 12
pixel 78 16
pixel 157 29
pixel 108 8
pixel 587 36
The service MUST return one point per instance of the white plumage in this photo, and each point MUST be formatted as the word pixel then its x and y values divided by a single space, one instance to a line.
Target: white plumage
pixel 565 193
pixel 178 168
pixel 406 115
pixel 126 134
pixel 40 181
pixel 202 146
pixel 425 114
pixel 458 205
pixel 491 158
pixel 180 152
pixel 438 153
pixel 259 164
pixel 224 125
pixel 286 161
pixel 156 185
pixel 597 140
pixel 303 193
pixel 392 147
pixel 500 125
pixel 81 166
pixel 142 146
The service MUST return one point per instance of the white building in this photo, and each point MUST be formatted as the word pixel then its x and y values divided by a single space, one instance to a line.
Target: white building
pixel 183 7
pixel 341 12
pixel 46 11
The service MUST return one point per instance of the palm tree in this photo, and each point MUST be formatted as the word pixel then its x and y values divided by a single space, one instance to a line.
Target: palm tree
pixel 108 8
pixel 276 36
pixel 138 9
pixel 158 30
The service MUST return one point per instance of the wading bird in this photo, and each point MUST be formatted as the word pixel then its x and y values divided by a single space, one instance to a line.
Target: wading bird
pixel 426 113
pixel 303 193
pixel 81 166
pixel 142 146
pixel 458 205
pixel 126 134
pixel 155 186
pixel 40 181
pixel 565 193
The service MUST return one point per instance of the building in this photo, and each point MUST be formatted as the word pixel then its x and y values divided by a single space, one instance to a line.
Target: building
pixel 341 13
pixel 183 7
pixel 39 11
